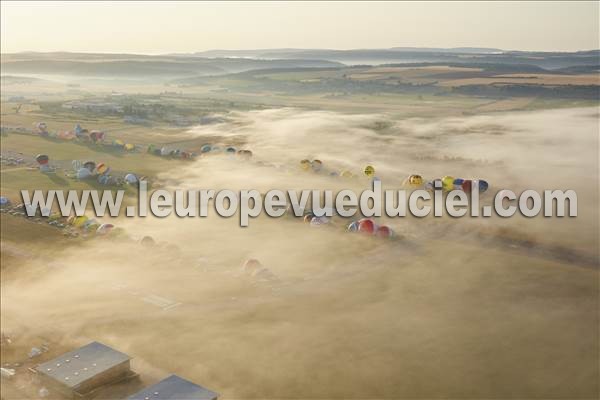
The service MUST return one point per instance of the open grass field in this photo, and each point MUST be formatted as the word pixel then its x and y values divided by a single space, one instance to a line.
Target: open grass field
pixel 530 79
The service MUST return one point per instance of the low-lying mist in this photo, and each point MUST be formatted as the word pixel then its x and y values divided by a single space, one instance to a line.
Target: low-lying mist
pixel 444 310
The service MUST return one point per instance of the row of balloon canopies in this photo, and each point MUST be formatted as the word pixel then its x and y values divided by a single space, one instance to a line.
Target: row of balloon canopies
pixel 88 169
pixel 317 166
pixel 90 225
pixel 364 225
pixel 205 149
pixel 79 133
pixel 81 222
pixel 99 136
pixel 447 183
pixel 85 224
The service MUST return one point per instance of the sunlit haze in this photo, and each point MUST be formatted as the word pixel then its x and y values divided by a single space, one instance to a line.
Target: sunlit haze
pixel 164 27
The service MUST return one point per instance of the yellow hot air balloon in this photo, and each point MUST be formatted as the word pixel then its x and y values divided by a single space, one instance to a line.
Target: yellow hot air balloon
pixel 346 174
pixel 129 147
pixel 369 170
pixel 79 221
pixel 305 165
pixel 448 183
pixel 119 142
pixel 54 217
pixel 415 180
pixel 101 168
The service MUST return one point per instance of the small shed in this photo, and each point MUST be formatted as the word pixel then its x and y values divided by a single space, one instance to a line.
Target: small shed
pixel 175 388
pixel 85 369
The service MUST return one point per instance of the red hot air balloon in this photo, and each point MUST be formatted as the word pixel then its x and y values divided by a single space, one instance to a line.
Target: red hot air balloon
pixel 384 232
pixel 42 159
pixel 467 185
pixel 366 226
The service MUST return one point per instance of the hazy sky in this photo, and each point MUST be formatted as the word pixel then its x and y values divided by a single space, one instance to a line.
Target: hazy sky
pixel 157 27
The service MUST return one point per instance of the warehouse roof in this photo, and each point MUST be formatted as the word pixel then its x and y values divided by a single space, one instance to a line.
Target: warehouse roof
pixel 77 366
pixel 175 388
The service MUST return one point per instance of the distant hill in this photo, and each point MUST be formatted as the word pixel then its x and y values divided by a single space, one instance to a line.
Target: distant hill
pixel 132 65
pixel 547 60
pixel 261 53
pixel 221 62
pixel 12 79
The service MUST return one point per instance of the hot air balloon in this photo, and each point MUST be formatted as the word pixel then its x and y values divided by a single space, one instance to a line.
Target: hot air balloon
pixel 206 148
pixel 483 185
pixel 78 222
pixel 82 134
pixel 96 136
pixel 131 179
pixel 147 241
pixel 305 164
pixel 245 154
pixel 251 265
pixel 102 168
pixel 104 229
pixel 42 159
pixel 384 232
pixel 366 226
pixel 457 184
pixel 104 179
pixel 369 170
pixel 230 150
pixel 317 221
pixel 54 217
pixel 308 217
pixel 415 180
pixel 66 135
pixel 129 147
pixel 91 165
pixel 346 174
pixel 42 128
pixel 353 227
pixel 467 186
pixel 90 221
pixel 316 165
pixel 83 173
pixel 448 183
